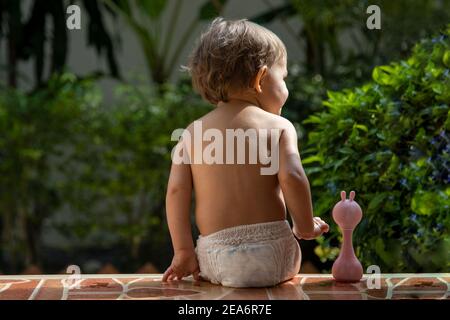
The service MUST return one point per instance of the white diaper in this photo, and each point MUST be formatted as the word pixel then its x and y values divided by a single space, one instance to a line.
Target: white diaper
pixel 254 255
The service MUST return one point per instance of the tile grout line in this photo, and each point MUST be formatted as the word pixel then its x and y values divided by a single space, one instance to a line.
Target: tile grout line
pixel 392 287
pixel 121 296
pixel 300 290
pixel 36 290
pixel 269 294
pixel 448 287
pixel 224 294
pixel 6 287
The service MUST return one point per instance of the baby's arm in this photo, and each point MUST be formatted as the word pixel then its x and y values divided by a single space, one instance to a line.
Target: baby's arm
pixel 295 186
pixel 178 204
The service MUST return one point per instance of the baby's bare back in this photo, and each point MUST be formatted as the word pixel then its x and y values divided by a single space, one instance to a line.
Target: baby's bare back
pixel 232 193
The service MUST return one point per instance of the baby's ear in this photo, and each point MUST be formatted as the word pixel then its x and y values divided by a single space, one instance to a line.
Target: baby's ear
pixel 262 72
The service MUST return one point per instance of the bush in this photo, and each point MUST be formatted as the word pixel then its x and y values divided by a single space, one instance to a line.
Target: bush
pixel 82 179
pixel 389 141
pixel 115 197
pixel 33 130
pixel 125 174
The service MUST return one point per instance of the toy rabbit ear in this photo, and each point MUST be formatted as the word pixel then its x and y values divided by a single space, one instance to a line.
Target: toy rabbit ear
pixel 343 195
pixel 352 195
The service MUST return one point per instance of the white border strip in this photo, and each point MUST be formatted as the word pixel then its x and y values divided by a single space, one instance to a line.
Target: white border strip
pixel 158 276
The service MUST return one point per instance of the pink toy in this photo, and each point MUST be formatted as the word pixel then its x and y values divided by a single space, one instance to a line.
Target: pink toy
pixel 347 214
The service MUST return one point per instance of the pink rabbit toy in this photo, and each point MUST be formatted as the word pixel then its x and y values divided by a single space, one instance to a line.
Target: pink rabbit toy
pixel 347 214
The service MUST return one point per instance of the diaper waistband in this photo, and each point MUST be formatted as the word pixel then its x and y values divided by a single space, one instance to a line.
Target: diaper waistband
pixel 248 233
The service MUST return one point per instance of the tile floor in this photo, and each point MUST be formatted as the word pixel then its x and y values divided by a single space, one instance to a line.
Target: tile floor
pixel 149 286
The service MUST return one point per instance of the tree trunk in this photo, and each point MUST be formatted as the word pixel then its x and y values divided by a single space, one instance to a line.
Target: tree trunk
pixel 13 36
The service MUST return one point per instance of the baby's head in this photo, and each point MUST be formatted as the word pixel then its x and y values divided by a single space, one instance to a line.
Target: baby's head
pixel 236 59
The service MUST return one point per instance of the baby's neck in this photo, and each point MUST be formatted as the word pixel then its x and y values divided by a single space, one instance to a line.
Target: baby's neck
pixel 239 103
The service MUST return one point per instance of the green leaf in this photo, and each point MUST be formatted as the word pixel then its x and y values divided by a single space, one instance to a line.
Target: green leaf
pixel 376 201
pixel 153 8
pixel 346 150
pixel 361 127
pixel 424 203
pixel 387 250
pixel 313 119
pixel 446 58
pixel 337 164
pixel 312 159
pixel 383 75
pixel 380 250
pixel 33 154
pixel 335 97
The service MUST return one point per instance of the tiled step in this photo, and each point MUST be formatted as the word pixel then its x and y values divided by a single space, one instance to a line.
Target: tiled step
pixel 149 286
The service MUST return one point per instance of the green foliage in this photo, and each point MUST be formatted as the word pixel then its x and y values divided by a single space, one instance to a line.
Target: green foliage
pixel 389 140
pixel 339 50
pixel 33 130
pixel 334 33
pixel 125 171
pixel 94 175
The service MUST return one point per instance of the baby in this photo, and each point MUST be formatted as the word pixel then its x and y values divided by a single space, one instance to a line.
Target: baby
pixel 245 239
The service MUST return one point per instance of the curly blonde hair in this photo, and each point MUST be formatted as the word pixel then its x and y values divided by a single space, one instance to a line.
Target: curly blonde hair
pixel 229 55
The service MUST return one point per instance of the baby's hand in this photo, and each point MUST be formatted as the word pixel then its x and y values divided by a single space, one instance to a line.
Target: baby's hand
pixel 184 263
pixel 320 227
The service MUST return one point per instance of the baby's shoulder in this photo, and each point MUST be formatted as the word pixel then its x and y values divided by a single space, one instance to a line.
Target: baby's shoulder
pixel 275 121
pixel 198 122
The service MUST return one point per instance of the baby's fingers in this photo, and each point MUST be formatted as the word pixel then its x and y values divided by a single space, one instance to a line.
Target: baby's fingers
pixel 173 276
pixel 196 276
pixel 167 274
pixel 324 226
